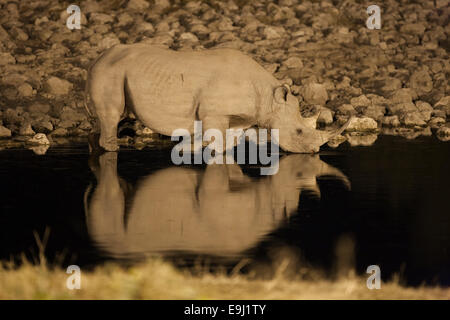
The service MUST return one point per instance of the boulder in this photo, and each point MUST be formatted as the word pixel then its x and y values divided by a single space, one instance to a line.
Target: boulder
pixel 57 86
pixel 4 132
pixel 362 124
pixel 39 139
pixel 390 121
pixel 315 93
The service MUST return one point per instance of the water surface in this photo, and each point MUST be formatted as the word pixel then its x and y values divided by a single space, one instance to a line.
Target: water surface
pixel 390 199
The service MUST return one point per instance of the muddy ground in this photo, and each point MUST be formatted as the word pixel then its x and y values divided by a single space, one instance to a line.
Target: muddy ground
pixel 395 79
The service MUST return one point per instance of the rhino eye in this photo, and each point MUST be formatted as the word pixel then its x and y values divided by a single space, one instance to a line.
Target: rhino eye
pixel 299 131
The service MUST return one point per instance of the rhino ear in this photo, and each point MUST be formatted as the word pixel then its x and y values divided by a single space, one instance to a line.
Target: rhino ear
pixel 280 94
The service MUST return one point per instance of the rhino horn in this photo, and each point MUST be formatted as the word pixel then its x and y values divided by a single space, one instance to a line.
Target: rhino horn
pixel 326 136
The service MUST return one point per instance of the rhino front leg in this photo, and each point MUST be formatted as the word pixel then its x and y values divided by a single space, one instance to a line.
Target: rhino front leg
pixel 215 128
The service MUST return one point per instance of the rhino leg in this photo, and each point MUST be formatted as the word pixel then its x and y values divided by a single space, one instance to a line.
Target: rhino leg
pixel 109 106
pixel 220 123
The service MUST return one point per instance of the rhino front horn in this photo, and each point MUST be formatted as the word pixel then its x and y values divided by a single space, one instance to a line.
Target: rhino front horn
pixel 332 134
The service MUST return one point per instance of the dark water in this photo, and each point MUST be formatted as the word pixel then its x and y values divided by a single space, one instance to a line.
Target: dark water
pixel 391 199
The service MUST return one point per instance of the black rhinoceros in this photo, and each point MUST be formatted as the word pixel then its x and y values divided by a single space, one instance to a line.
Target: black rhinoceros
pixel 168 90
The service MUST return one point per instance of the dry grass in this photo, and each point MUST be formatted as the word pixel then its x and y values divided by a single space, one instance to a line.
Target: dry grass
pixel 156 279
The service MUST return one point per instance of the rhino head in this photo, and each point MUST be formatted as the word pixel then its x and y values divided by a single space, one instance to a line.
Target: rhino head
pixel 296 133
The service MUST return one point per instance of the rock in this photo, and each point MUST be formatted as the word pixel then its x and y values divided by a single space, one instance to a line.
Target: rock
pixel 444 105
pixel 402 108
pixel 145 132
pixel 57 86
pixel 293 62
pixel 187 36
pixel 85 125
pixel 336 141
pixel 39 139
pixel 271 33
pixel 25 90
pixel 403 95
pixel 100 18
pixel 60 132
pixel 421 82
pixel 362 124
pixel 315 93
pixel 6 59
pixel 325 116
pixel 436 122
pixel 346 110
pixel 67 124
pixel 38 107
pixel 138 5
pixel 70 114
pixel 390 121
pixel 412 119
pixel 391 84
pixel 26 130
pixel 361 139
pixel 4 132
pixel 443 131
pixel 425 109
pixel 124 19
pixel 413 28
pixel 374 112
pixel 42 125
pixel 39 150
pixel 361 101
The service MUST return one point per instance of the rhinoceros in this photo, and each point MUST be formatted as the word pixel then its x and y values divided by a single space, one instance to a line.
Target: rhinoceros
pixel 168 90
pixel 216 211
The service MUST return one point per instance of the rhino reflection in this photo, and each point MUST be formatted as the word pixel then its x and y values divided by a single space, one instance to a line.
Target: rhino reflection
pixel 217 211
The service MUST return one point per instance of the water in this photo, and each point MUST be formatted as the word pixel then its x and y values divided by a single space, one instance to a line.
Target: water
pixel 389 201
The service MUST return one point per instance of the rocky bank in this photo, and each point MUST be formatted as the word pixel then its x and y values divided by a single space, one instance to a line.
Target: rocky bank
pixel 394 80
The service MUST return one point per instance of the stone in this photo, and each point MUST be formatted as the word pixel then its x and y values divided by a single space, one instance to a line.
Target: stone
pixel 436 122
pixel 362 124
pixel 38 107
pixel 138 5
pixel 325 116
pixel 39 139
pixel 271 33
pixel 60 132
pixel 26 130
pixel 67 113
pixel 57 86
pixel 85 125
pixel 412 119
pixel 425 109
pixel 315 93
pixel 390 121
pixel 403 95
pixel 346 110
pixel 293 62
pixel 336 141
pixel 42 125
pixel 100 18
pixel 374 112
pixel 4 132
pixel 402 108
pixel 444 105
pixel 421 82
pixel 443 131
pixel 6 59
pixel 25 90
pixel 361 101
pixel 364 140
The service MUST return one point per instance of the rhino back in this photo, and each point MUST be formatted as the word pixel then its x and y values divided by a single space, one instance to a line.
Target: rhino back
pixel 164 84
